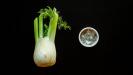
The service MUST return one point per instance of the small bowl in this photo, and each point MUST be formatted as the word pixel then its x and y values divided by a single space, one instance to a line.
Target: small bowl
pixel 88 37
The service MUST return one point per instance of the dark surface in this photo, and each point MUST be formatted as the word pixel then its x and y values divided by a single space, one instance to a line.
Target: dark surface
pixel 105 58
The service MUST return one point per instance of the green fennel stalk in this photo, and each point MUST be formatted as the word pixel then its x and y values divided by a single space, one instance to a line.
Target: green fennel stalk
pixel 55 20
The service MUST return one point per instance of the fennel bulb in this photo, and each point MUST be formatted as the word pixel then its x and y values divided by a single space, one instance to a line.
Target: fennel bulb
pixel 45 50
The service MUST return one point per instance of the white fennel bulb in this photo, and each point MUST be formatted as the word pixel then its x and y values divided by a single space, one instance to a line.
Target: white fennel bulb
pixel 45 53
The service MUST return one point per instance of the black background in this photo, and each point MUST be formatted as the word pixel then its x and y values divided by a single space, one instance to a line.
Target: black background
pixel 109 18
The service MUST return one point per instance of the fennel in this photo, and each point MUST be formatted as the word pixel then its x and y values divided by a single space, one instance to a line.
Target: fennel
pixel 45 50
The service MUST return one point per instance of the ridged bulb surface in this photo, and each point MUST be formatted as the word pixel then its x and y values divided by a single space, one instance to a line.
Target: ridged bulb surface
pixel 45 53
